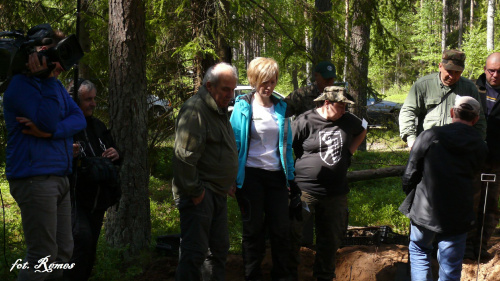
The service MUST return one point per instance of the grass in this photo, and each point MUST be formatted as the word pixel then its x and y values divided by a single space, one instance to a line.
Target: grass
pixel 371 203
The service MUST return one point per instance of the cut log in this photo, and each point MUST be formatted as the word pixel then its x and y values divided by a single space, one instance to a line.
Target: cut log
pixel 395 171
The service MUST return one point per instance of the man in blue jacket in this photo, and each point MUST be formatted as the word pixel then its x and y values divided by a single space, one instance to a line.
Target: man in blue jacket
pixel 41 119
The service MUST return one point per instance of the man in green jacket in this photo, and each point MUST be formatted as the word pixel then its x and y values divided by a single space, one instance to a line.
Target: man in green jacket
pixel 205 166
pixel 430 99
pixel 302 99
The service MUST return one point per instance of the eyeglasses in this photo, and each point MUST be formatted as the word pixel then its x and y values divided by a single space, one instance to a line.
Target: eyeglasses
pixel 493 71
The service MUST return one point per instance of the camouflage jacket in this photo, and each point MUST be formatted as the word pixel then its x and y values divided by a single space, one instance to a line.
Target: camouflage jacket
pixel 301 100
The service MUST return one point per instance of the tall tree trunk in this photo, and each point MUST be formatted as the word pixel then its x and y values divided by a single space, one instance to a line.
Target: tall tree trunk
pixel 202 13
pixel 83 68
pixel 460 23
pixel 128 223
pixel 490 27
pixel 357 73
pixel 322 45
pixel 346 37
pixel 308 48
pixel 209 21
pixel 471 23
pixel 443 27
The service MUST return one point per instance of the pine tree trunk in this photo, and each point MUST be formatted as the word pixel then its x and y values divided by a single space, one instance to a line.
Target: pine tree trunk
pixel 321 43
pixel 346 37
pixel 460 23
pixel 357 69
pixel 443 27
pixel 128 224
pixel 471 23
pixel 84 39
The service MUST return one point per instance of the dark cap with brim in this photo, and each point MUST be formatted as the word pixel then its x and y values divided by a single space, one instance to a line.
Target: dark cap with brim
pixel 453 60
pixel 326 69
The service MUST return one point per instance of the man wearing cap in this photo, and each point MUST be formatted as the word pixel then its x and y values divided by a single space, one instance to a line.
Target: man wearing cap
pixel 488 85
pixel 430 99
pixel 438 181
pixel 302 99
pixel 324 139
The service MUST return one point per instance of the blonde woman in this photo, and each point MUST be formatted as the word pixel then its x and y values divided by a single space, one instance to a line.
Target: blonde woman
pixel 264 140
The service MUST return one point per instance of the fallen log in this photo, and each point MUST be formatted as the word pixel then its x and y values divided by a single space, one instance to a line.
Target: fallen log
pixel 394 171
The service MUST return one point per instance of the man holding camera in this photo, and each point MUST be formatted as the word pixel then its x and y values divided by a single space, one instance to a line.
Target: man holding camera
pixel 91 196
pixel 41 119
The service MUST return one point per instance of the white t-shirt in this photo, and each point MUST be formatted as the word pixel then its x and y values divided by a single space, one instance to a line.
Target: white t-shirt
pixel 263 150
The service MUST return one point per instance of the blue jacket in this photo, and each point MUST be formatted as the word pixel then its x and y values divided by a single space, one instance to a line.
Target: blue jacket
pixel 241 119
pixel 49 106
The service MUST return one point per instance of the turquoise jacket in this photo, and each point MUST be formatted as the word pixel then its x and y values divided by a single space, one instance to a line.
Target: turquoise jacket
pixel 241 119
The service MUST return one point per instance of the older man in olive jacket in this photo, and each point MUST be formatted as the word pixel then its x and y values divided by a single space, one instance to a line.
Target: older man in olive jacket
pixel 430 99
pixel 205 166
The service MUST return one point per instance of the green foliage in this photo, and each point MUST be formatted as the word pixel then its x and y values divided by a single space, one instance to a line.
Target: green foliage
pixel 14 241
pixel 476 51
pixel 376 202
pixel 397 93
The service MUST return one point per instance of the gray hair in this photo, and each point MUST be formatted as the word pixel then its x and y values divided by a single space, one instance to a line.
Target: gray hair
pixel 86 86
pixel 214 72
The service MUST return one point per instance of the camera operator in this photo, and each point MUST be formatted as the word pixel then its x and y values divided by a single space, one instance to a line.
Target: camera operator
pixel 90 198
pixel 41 119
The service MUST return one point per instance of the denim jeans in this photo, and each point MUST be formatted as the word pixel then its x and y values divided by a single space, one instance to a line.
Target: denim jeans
pixel 451 250
pixel 204 238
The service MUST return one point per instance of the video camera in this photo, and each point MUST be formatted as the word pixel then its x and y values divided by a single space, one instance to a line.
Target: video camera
pixel 15 49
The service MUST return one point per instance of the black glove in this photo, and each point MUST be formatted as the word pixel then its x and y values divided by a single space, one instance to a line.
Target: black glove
pixel 295 207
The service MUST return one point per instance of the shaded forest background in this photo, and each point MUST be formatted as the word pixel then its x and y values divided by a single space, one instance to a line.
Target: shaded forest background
pixel 136 48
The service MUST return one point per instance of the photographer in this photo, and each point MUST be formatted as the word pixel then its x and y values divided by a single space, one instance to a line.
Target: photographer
pixel 41 119
pixel 90 196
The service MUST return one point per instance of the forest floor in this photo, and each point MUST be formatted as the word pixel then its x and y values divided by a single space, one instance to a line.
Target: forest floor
pixel 354 263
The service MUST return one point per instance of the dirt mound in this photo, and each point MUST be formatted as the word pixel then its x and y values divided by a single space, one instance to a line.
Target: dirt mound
pixel 357 263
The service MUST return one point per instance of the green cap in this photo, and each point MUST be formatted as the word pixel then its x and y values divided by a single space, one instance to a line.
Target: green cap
pixel 326 69
pixel 334 94
pixel 453 60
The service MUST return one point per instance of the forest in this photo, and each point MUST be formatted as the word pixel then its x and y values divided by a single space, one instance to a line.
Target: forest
pixel 137 48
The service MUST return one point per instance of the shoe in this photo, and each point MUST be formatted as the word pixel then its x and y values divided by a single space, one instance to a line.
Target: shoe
pixel 470 253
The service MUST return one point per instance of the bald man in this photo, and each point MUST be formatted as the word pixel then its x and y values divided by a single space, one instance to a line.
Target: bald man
pixel 488 85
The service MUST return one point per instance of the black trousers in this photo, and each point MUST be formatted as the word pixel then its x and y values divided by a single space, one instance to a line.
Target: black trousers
pixel 86 229
pixel 263 202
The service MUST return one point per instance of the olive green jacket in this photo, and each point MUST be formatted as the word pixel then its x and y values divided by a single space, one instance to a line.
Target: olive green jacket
pixel 424 100
pixel 205 154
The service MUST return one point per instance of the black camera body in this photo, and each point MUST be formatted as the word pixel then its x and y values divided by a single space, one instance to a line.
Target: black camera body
pixel 15 49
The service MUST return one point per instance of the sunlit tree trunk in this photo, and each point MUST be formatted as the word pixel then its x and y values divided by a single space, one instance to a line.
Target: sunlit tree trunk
pixel 460 23
pixel 128 224
pixel 346 37
pixel 443 27
pixel 490 27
